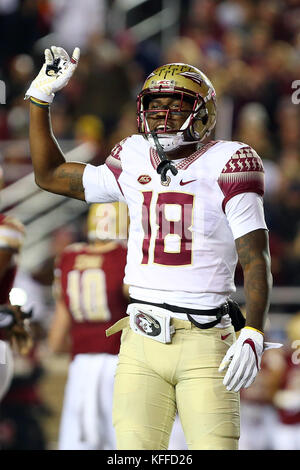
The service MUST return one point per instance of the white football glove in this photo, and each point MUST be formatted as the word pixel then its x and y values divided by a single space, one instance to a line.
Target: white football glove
pixel 243 359
pixel 54 75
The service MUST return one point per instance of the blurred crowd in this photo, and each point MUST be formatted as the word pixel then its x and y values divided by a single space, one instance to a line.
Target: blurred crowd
pixel 250 49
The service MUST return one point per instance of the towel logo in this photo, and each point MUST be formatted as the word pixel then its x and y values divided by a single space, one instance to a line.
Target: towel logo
pixel 147 324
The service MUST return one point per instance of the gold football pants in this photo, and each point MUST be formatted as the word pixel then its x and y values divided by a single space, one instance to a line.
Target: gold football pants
pixel 153 379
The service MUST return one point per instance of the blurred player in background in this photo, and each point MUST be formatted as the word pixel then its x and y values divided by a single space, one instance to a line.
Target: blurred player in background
pixel 259 419
pixel 270 413
pixel 12 331
pixel 287 396
pixel 16 346
pixel 90 297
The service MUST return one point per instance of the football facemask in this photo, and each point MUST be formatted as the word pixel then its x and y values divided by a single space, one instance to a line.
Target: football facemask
pixel 186 83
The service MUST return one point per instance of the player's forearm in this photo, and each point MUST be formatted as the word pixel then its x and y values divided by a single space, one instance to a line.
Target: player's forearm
pixel 51 170
pixel 45 152
pixel 257 288
pixel 58 334
pixel 254 257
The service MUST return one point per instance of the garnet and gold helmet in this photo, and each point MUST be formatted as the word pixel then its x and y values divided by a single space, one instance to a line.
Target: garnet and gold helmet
pixel 188 83
pixel 107 221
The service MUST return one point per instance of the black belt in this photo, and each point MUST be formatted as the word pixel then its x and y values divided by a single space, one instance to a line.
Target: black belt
pixel 218 312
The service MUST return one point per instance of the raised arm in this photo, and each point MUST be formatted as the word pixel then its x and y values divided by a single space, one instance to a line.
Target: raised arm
pixel 51 170
pixel 254 257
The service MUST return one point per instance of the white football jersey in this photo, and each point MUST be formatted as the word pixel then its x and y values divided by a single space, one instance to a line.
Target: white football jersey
pixel 181 247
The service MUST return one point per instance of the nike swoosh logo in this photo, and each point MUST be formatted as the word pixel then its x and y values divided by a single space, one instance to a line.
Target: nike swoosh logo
pixel 252 346
pixel 225 336
pixel 182 183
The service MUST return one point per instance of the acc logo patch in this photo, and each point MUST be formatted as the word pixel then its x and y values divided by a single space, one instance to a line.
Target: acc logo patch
pixel 147 324
pixel 144 179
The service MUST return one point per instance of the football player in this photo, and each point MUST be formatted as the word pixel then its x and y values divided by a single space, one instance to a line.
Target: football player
pixel 195 209
pixel 90 297
pixel 13 333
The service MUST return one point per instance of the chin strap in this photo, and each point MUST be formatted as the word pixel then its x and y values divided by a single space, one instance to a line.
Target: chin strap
pixel 165 165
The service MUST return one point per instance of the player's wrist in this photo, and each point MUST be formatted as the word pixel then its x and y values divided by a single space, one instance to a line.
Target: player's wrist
pixel 34 92
pixel 39 103
pixel 254 329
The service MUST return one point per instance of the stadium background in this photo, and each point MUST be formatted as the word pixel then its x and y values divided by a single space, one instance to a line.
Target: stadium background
pixel 250 49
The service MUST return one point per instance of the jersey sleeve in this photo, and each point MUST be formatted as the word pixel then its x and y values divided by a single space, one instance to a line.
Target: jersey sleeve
pixel 245 213
pixel 243 173
pixel 101 184
pixel 12 233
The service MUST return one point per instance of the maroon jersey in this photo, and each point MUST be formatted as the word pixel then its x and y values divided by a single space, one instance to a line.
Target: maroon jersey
pixel 90 282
